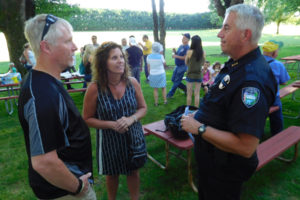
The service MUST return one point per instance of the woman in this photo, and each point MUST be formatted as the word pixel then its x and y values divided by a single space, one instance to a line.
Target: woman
pixel 194 59
pixel 29 56
pixel 87 58
pixel 114 104
pixel 157 77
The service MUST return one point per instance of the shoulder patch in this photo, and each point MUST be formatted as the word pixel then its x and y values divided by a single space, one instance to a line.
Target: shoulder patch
pixel 250 96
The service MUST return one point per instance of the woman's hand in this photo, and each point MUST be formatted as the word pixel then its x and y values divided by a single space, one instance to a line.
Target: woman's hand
pixel 122 124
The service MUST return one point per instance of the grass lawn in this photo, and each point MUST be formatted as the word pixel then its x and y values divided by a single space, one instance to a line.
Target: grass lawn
pixel 275 181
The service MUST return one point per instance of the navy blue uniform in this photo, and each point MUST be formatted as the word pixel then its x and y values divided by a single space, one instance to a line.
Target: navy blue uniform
pixel 237 102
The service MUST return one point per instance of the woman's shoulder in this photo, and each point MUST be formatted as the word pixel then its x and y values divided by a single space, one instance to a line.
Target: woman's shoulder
pixel 93 87
pixel 133 81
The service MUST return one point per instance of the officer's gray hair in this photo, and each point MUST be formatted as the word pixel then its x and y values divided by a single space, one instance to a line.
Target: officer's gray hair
pixel 34 28
pixel 248 17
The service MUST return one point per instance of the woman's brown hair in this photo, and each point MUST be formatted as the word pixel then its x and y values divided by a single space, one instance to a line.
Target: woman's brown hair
pixel 99 65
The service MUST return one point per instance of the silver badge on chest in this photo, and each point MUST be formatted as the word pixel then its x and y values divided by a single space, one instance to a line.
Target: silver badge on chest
pixel 225 81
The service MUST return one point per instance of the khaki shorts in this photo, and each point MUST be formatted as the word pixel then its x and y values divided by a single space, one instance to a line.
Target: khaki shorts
pixel 89 195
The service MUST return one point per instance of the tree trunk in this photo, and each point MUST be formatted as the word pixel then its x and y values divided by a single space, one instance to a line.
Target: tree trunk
pixel 12 18
pixel 221 8
pixel 162 24
pixel 155 21
pixel 277 27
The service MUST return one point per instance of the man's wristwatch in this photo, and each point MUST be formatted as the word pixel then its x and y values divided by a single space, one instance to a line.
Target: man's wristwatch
pixel 201 129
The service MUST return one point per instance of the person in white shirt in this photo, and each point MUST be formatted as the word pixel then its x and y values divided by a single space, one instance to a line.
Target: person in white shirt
pixel 156 66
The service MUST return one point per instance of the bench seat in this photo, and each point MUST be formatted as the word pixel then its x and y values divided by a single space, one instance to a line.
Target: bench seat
pixel 289 89
pixel 77 90
pixel 274 146
pixel 9 97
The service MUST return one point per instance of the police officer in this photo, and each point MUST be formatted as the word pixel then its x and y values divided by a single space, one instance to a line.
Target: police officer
pixel 231 118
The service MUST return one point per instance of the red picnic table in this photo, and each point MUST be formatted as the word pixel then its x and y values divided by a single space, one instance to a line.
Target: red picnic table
pixel 11 96
pixel 294 59
pixel 158 129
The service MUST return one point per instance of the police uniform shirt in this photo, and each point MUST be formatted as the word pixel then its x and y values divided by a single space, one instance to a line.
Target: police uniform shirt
pixel 240 97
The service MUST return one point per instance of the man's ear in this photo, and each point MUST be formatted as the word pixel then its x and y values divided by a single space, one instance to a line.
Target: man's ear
pixel 247 34
pixel 45 47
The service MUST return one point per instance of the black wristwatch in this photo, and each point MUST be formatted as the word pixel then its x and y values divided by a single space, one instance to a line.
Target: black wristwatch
pixel 79 188
pixel 201 129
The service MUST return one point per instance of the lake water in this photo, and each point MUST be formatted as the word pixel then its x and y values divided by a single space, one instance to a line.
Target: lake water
pixel 173 38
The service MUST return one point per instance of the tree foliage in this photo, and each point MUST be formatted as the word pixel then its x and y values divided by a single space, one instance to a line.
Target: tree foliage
pixel 104 19
pixel 59 8
pixel 278 11
pixel 14 13
pixel 220 6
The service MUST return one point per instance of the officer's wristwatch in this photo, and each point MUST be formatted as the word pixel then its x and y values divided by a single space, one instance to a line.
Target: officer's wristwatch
pixel 201 129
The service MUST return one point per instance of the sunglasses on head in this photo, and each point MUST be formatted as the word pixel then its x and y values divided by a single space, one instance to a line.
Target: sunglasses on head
pixel 50 19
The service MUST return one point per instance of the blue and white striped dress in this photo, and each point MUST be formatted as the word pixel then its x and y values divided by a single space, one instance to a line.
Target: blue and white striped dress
pixel 112 147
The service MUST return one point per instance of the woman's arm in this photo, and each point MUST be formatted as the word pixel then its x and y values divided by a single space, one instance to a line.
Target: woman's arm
pixel 188 56
pixel 142 107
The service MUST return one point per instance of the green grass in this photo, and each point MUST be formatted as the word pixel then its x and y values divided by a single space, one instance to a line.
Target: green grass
pixel 275 181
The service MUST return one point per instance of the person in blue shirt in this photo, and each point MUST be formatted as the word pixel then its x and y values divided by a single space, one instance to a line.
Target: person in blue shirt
pixel 231 118
pixel 270 52
pixel 181 67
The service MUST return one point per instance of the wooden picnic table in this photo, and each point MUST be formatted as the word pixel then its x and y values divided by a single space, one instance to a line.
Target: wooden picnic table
pixel 296 59
pixel 157 129
pixel 287 90
pixel 11 96
pixel 12 91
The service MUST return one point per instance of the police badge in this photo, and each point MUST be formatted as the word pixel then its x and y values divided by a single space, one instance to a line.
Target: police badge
pixel 225 81
pixel 250 96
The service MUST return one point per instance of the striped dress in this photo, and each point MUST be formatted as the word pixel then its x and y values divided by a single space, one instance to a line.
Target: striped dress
pixel 112 147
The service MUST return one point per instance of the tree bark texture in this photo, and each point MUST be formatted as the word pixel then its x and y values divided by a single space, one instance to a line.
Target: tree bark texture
pixel 162 24
pixel 13 14
pixel 155 21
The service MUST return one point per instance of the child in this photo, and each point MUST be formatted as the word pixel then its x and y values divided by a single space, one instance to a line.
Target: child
pixel 206 76
pixel 216 69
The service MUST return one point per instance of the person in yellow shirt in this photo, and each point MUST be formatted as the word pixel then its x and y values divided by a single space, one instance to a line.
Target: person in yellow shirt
pixel 146 51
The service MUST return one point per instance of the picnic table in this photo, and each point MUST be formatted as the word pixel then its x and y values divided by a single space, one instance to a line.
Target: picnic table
pixel 293 59
pixel 155 129
pixel 12 90
pixel 287 90
pixel 11 96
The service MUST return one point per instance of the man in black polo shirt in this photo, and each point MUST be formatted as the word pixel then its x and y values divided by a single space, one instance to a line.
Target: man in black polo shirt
pixel 57 139
pixel 231 117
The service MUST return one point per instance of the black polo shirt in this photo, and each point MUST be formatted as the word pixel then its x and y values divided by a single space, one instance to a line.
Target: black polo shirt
pixel 51 121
